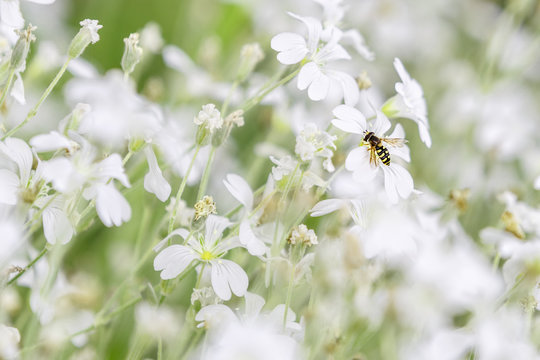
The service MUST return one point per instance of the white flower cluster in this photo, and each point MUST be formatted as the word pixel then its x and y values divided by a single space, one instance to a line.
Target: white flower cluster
pixel 208 210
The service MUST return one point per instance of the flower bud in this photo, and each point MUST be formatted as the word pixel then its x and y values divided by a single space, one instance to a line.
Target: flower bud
pixel 86 35
pixel 209 120
pixel 251 55
pixel 204 207
pixel 363 81
pixel 132 53
pixel 21 48
pixel 72 121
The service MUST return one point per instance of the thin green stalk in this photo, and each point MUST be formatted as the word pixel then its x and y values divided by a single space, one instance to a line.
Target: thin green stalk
pixel 496 260
pixel 289 295
pixel 35 109
pixel 27 267
pixel 7 86
pixel 181 191
pixel 178 279
pixel 225 105
pixel 160 349
pixel 248 104
pixel 206 173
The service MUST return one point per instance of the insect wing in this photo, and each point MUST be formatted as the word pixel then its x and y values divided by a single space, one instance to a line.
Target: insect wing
pixel 396 142
pixel 372 156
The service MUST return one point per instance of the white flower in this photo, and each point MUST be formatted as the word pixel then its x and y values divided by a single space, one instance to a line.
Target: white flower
pixel 117 112
pixel 154 182
pixel 9 340
pixel 315 75
pixel 302 235
pixel 397 181
pixel 226 275
pixel 111 206
pixel 313 142
pixel 13 240
pixel 217 317
pixel 10 12
pixel 286 165
pixel 250 334
pixel 409 102
pixel 327 206
pixel 53 141
pixel 240 189
pixel 57 226
pixel 251 341
pixel 157 322
pixel 21 182
pixel 151 38
pixel 333 15
pixel 537 183
pixel 81 171
pixel 209 117
pixel 92 27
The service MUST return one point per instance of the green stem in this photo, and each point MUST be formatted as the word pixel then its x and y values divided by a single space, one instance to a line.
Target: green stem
pixel 178 279
pixel 7 86
pixel 27 267
pixel 248 104
pixel 181 191
pixel 289 295
pixel 206 174
pixel 496 261
pixel 35 109
pixel 225 105
pixel 127 157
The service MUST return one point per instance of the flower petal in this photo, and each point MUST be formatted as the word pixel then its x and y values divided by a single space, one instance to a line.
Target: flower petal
pixel 17 91
pixel 173 260
pixel 351 93
pixel 254 245
pixel 327 206
pixel 397 181
pixel 307 74
pixel 10 13
pixel 253 305
pixel 56 226
pixel 349 119
pixel 314 30
pixel 19 151
pixel 154 182
pixel 9 187
pixel 111 206
pixel 357 40
pixel 50 142
pixel 381 124
pixel 358 162
pixel 240 189
pixel 214 228
pixel 111 167
pixel 318 90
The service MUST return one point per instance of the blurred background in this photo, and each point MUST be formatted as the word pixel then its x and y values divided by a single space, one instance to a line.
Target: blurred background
pixel 478 62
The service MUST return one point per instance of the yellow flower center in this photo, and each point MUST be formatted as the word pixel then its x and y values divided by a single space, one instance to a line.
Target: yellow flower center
pixel 207 255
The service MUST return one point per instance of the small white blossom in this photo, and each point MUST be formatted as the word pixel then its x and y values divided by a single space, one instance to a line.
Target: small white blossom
pixel 10 12
pixel 209 117
pixel 409 102
pixel 315 74
pixel 397 180
pixel 226 275
pixel 302 235
pixel 313 142
pixel 240 189
pixel 9 342
pixel 92 27
pixel 154 182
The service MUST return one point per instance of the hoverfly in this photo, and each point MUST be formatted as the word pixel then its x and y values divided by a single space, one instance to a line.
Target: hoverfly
pixel 377 149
